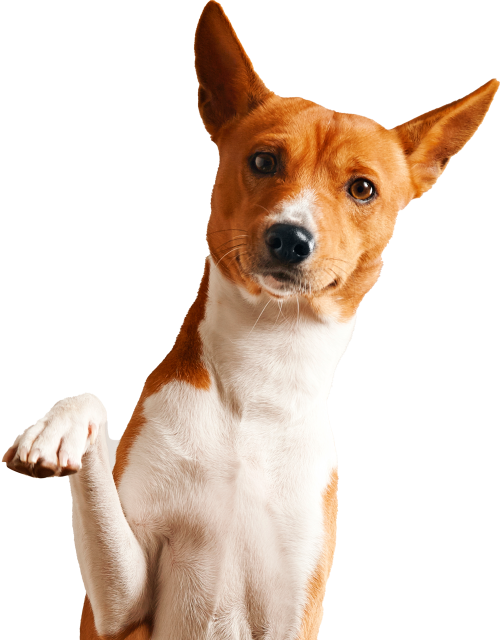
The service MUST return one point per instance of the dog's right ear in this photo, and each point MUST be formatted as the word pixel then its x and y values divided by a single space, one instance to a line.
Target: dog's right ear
pixel 229 86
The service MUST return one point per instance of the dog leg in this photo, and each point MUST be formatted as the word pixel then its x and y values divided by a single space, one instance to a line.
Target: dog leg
pixel 72 440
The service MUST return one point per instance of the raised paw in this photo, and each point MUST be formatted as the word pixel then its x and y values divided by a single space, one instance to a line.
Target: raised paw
pixel 54 446
pixel 41 468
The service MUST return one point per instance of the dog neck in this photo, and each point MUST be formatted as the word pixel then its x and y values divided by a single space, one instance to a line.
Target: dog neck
pixel 267 352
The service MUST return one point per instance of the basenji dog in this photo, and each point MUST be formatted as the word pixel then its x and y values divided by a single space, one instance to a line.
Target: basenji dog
pixel 218 518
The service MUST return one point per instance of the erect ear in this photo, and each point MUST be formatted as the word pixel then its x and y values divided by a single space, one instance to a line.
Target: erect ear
pixel 229 86
pixel 430 140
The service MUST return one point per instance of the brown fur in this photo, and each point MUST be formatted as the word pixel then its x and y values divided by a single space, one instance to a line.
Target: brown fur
pixel 322 150
pixel 183 363
pixel 319 150
pixel 89 632
pixel 317 585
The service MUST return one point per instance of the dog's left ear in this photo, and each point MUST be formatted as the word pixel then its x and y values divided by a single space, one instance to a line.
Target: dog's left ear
pixel 430 140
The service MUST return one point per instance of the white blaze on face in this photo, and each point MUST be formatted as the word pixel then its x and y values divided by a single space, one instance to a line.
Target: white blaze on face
pixel 300 210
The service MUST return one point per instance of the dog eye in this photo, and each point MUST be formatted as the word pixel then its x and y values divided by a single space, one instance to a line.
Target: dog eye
pixel 264 163
pixel 362 189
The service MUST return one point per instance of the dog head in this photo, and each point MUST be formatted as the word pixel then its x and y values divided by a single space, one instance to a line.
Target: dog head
pixel 305 198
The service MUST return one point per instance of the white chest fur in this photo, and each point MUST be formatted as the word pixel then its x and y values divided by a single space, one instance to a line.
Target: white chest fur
pixel 224 487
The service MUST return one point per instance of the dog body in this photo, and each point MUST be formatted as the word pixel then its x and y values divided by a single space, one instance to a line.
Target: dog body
pixel 218 519
pixel 231 489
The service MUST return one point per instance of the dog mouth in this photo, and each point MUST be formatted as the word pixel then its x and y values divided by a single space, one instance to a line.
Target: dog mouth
pixel 279 283
pixel 282 283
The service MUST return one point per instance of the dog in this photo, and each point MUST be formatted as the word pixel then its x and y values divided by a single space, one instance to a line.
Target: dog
pixel 218 519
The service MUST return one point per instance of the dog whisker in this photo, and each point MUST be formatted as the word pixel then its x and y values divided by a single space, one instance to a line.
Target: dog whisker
pixel 278 314
pixel 334 260
pixel 233 258
pixel 230 250
pixel 330 271
pixel 280 306
pixel 259 205
pixel 228 241
pixel 255 324
pixel 217 253
pixel 265 307
pixel 223 230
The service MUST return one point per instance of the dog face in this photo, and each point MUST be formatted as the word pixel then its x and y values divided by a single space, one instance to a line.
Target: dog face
pixel 305 198
pixel 311 198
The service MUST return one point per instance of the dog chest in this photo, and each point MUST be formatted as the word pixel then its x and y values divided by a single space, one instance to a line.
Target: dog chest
pixel 236 504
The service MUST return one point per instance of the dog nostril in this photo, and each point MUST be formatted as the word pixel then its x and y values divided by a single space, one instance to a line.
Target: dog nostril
pixel 274 242
pixel 302 250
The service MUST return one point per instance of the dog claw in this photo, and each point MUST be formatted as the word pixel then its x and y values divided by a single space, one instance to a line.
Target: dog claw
pixel 68 471
pixel 41 469
pixel 20 467
pixel 44 469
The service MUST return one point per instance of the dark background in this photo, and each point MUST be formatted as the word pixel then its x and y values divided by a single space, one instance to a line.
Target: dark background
pixel 108 180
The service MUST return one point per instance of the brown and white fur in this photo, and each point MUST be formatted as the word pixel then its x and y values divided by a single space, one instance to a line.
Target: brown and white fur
pixel 217 519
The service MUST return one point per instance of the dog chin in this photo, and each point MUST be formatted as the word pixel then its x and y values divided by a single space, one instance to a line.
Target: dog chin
pixel 276 287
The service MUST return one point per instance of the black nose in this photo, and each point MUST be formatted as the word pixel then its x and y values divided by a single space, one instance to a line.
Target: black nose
pixel 288 243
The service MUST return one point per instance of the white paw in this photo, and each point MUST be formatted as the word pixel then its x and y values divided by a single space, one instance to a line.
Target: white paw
pixel 54 446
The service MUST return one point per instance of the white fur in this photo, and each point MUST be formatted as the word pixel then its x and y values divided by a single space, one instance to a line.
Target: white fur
pixel 301 210
pixel 217 524
pixel 113 564
pixel 246 462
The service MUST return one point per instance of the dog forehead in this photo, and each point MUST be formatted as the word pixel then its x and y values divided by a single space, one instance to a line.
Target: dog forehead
pixel 309 133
